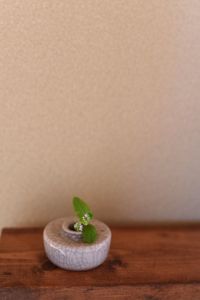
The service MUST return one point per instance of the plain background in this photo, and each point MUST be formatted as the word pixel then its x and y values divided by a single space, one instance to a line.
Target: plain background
pixel 99 99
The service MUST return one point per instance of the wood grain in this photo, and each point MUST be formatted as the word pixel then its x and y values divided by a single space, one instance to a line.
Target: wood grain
pixel 149 263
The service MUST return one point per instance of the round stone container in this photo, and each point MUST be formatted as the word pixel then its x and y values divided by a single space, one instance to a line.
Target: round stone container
pixel 65 249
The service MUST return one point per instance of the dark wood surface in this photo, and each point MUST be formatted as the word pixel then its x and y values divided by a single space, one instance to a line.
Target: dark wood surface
pixel 149 263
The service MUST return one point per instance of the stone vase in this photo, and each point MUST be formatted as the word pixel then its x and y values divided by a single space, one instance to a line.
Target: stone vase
pixel 65 249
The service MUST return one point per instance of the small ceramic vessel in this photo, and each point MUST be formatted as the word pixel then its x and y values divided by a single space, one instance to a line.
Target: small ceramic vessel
pixel 64 247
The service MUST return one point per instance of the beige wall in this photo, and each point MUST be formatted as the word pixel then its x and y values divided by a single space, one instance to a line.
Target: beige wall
pixel 100 99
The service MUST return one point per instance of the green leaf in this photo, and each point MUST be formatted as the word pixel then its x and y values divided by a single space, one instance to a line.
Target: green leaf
pixel 82 210
pixel 89 234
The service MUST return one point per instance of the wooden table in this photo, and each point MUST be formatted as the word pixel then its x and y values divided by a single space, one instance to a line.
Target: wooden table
pixel 148 263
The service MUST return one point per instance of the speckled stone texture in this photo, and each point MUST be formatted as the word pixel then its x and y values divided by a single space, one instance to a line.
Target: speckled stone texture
pixel 69 254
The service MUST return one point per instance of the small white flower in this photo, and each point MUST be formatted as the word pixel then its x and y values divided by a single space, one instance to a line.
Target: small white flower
pixel 78 226
pixel 86 217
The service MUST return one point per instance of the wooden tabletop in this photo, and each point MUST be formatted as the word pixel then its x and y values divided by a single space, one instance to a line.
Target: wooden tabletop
pixel 149 263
